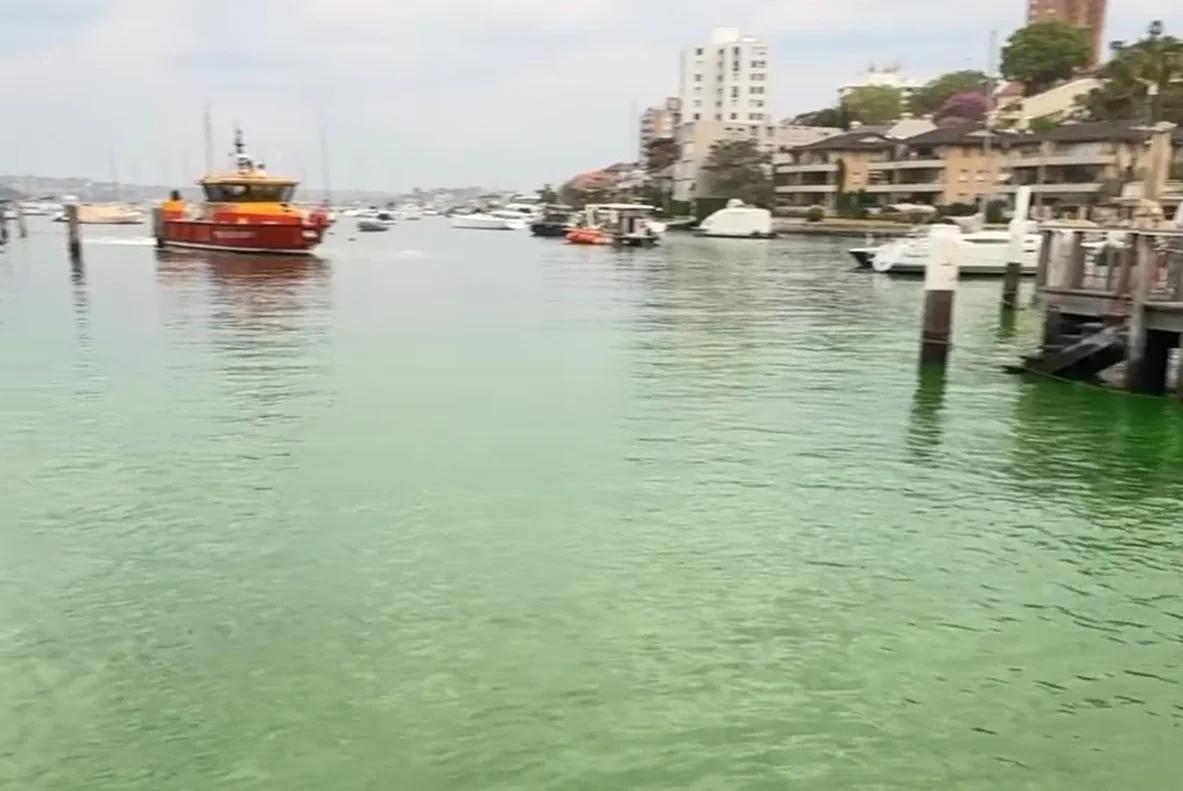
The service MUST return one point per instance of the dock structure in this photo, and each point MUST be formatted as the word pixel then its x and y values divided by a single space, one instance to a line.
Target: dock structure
pixel 1112 303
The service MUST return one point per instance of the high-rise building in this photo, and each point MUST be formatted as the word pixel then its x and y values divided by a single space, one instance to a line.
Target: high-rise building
pixel 659 123
pixel 1082 13
pixel 727 80
pixel 726 93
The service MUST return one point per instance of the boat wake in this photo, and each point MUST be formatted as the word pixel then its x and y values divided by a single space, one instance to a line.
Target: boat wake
pixel 118 241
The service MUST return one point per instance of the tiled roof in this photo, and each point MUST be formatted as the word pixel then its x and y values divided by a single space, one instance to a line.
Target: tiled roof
pixel 961 134
pixel 1092 131
pixel 863 139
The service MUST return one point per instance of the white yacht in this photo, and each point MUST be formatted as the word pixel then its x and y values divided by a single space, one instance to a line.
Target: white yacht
pixel 737 221
pixel 979 253
pixel 497 220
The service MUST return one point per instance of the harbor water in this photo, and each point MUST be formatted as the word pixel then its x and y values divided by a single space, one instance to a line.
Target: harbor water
pixel 456 509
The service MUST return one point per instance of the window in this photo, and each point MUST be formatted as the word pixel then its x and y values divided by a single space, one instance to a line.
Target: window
pixel 759 64
pixel 735 51
pixel 698 102
pixel 698 51
pixel 757 78
pixel 756 116
pixel 698 78
pixel 249 193
pixel 734 116
pixel 757 104
pixel 756 89
pixel 718 116
pixel 963 176
pixel 697 116
pixel 735 92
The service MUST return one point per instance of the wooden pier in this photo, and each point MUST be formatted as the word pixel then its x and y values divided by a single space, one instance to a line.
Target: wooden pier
pixel 1113 305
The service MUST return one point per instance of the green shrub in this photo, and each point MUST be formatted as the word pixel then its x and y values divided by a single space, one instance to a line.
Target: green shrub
pixel 815 214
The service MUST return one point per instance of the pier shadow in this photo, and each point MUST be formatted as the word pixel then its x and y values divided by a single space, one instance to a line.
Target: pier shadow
pixel 925 421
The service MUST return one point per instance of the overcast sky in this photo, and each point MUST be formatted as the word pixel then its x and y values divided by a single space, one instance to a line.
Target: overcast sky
pixel 429 92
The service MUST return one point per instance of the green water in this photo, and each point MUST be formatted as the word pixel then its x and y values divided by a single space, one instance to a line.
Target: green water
pixel 469 510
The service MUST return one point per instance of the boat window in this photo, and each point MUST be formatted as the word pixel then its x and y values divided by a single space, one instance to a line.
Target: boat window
pixel 249 193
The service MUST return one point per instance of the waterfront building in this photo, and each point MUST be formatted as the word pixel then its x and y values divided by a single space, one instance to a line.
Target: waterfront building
pixel 1082 13
pixel 725 88
pixel 659 123
pixel 887 77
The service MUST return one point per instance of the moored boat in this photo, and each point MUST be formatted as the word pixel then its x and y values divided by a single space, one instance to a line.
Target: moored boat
pixel 491 221
pixel 737 221
pixel 245 210
pixel 555 222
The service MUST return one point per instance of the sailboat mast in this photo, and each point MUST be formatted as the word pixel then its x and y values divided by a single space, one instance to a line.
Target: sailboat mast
pixel 208 125
pixel 324 165
pixel 988 146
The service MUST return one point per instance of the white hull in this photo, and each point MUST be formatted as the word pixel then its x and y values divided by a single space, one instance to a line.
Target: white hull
pixel 978 254
pixel 485 222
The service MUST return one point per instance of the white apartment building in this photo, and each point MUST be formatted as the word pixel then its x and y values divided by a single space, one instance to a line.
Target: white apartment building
pixel 890 77
pixel 727 80
pixel 726 93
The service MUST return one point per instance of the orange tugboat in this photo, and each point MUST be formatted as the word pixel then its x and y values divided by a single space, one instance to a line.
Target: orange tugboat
pixel 245 210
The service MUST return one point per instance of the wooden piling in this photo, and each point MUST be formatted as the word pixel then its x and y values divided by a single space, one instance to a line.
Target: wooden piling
pixel 1014 258
pixel 1137 368
pixel 158 225
pixel 1041 271
pixel 3 223
pixel 940 288
pixel 22 228
pixel 74 236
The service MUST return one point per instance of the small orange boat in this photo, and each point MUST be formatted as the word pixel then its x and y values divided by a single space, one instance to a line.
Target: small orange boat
pixel 245 211
pixel 588 236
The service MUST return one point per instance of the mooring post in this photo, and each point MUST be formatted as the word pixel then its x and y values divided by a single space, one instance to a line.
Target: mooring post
pixel 22 230
pixel 74 238
pixel 940 287
pixel 1045 256
pixel 1143 278
pixel 158 225
pixel 1014 259
pixel 3 223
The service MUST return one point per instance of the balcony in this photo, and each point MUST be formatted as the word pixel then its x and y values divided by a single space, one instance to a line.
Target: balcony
pixel 908 164
pixel 820 167
pixel 881 189
pixel 1061 161
pixel 801 189
pixel 1063 187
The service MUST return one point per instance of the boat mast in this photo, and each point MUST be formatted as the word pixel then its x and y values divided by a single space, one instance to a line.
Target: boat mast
pixel 988 146
pixel 209 141
pixel 324 165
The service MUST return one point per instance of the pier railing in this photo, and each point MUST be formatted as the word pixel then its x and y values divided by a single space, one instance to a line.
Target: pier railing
pixel 1108 291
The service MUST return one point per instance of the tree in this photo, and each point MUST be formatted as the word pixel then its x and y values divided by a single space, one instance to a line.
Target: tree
pixel 547 194
pixel 1142 81
pixel 832 117
pixel 739 169
pixel 964 107
pixel 660 154
pixel 873 104
pixel 933 95
pixel 1044 53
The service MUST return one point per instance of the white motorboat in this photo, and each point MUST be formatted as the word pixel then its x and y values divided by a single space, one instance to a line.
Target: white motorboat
pixel 737 221
pixel 381 221
pixel 106 214
pixel 981 253
pixel 490 221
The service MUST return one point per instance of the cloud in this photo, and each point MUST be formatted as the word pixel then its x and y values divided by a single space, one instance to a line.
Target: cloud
pixel 499 92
